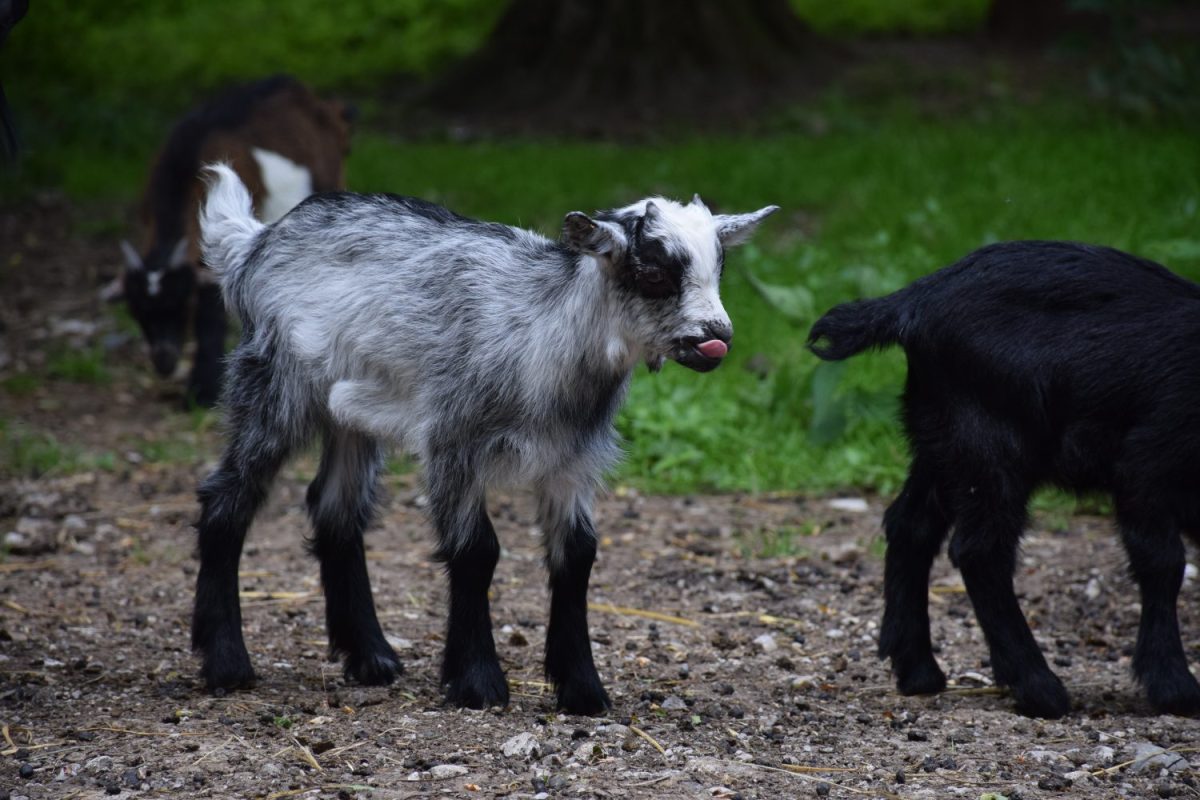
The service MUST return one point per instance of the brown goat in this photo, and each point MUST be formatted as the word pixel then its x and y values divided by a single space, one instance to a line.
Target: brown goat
pixel 285 143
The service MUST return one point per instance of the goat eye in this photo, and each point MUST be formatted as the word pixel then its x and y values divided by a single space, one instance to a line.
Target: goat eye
pixel 654 276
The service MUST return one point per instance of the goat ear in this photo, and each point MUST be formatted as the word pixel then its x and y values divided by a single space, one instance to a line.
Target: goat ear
pixel 133 261
pixel 113 291
pixel 696 201
pixel 583 234
pixel 735 229
pixel 653 213
pixel 179 255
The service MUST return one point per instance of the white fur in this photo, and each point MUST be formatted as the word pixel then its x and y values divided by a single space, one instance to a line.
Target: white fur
pixel 286 183
pixel 494 355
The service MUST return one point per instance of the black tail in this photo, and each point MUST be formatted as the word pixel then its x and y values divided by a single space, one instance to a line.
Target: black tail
pixel 850 328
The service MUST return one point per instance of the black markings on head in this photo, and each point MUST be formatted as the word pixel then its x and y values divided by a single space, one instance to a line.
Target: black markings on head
pixel 651 269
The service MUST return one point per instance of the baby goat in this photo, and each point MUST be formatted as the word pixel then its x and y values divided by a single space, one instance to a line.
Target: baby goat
pixel 494 355
pixel 285 143
pixel 1035 363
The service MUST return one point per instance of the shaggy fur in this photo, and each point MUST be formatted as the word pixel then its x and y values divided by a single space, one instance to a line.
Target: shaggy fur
pixel 1032 364
pixel 494 355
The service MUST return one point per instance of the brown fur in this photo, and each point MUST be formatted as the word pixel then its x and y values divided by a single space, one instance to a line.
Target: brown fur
pixel 296 124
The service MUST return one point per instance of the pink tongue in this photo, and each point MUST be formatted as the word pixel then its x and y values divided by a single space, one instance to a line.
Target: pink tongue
pixel 713 348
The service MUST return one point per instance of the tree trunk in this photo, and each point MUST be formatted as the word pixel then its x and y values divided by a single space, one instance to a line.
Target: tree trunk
pixel 1035 22
pixel 602 65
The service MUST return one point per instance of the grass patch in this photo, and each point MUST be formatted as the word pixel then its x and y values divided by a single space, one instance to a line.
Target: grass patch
pixel 175 450
pixel 22 384
pixel 882 197
pixel 785 541
pixel 29 453
pixel 79 365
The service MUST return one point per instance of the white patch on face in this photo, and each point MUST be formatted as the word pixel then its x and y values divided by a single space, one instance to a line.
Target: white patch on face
pixel 286 182
pixel 153 283
pixel 691 231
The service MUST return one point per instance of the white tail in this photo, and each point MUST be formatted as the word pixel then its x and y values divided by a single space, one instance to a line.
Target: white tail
pixel 227 223
pixel 228 228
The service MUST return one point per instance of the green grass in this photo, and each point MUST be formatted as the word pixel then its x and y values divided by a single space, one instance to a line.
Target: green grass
pixel 885 16
pixel 785 541
pixel 79 366
pixel 880 199
pixel 21 384
pixel 889 198
pixel 29 453
pixel 883 196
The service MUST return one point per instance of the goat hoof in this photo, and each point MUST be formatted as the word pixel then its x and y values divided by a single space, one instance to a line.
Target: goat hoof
pixel 377 668
pixel 1179 696
pixel 1042 695
pixel 227 668
pixel 478 686
pixel 923 677
pixel 585 698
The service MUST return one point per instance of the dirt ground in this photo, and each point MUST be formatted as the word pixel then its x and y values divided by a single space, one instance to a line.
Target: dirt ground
pixel 736 634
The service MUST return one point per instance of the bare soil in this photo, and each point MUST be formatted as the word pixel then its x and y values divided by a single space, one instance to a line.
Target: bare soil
pixel 736 634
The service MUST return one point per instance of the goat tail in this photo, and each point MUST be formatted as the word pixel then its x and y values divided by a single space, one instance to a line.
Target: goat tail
pixel 228 228
pixel 851 328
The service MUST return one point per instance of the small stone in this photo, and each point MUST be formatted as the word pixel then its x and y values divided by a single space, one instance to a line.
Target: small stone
pixel 443 772
pixel 805 681
pixel 1053 783
pixel 835 633
pixel 589 751
pixel 26 770
pixel 1104 755
pixel 131 778
pixel 1151 757
pixel 99 764
pixel 976 678
pixel 822 789
pixel 74 524
pixel 1092 590
pixel 523 745
pixel 845 554
pixel 766 643
pixel 1077 775
pixel 856 505
pixel 673 703
pixel 1045 756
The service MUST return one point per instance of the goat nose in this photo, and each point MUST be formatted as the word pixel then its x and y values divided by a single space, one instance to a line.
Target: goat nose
pixel 164 357
pixel 720 330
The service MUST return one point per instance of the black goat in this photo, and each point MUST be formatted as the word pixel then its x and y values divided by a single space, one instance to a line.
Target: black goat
pixel 1031 364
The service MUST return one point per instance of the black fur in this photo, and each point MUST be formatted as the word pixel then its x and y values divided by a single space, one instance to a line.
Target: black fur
pixel 569 663
pixel 229 499
pixel 471 672
pixel 1031 364
pixel 163 316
